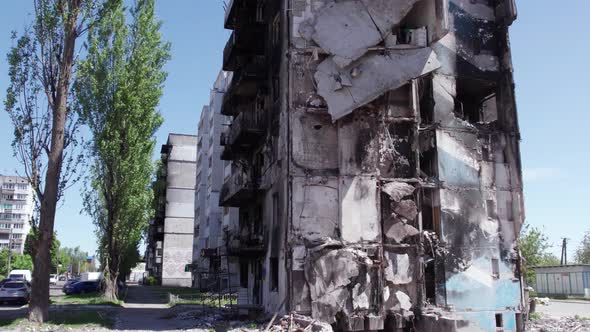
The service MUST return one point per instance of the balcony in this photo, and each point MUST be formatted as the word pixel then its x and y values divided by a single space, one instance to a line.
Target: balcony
pixel 243 9
pixel 251 244
pixel 209 252
pixel 247 82
pixel 238 190
pixel 246 130
pixel 245 43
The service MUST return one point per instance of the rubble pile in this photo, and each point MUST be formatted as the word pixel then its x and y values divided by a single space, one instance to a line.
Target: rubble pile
pixel 300 323
pixel 565 324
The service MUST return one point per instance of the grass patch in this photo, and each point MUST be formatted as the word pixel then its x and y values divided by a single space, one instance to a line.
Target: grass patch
pixel 202 301
pixel 83 299
pixel 74 319
pixel 535 316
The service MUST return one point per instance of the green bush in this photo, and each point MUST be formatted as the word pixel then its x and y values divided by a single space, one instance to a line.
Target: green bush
pixel 150 281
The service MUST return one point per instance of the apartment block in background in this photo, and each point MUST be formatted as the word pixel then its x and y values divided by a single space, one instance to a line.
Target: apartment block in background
pixel 375 162
pixel 16 209
pixel 211 269
pixel 170 236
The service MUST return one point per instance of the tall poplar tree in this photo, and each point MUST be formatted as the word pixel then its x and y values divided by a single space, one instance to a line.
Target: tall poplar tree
pixel 118 89
pixel 41 66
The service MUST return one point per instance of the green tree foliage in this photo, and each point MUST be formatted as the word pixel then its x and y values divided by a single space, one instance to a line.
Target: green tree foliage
pixel 583 251
pixel 72 257
pixel 21 262
pixel 119 88
pixel 17 262
pixel 534 246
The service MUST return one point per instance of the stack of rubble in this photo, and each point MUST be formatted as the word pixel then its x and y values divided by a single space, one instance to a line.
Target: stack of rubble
pixel 565 324
pixel 300 323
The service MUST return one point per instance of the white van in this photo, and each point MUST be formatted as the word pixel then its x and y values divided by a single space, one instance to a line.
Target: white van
pixel 20 275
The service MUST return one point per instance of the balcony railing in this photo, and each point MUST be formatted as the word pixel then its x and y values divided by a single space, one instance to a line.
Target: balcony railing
pixel 244 10
pixel 243 43
pixel 247 128
pixel 251 244
pixel 238 190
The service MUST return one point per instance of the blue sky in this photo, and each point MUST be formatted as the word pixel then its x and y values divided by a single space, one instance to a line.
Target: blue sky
pixel 550 56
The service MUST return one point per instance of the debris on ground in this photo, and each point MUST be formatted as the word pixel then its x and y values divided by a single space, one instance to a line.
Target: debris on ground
pixel 565 324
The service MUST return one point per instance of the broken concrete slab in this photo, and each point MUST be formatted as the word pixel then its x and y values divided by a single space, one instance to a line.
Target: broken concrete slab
pixel 398 268
pixel 347 29
pixel 407 209
pixel 376 74
pixel 403 300
pixel 398 230
pixel 398 190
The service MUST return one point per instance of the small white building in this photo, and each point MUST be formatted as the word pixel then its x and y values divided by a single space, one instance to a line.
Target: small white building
pixel 562 280
pixel 16 210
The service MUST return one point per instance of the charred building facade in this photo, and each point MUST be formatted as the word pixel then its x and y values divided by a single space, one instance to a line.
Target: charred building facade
pixel 375 162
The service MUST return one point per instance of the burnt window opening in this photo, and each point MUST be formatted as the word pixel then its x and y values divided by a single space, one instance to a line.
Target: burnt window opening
pixel 486 153
pixel 430 211
pixel 426 101
pixel 491 209
pixel 276 89
pixel 499 322
pixel 496 268
pixel 244 274
pixel 428 164
pixel 274 274
pixel 430 282
pixel 474 96
pixel 509 210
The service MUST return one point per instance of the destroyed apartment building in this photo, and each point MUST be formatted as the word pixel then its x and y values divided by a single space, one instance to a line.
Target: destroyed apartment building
pixel 375 162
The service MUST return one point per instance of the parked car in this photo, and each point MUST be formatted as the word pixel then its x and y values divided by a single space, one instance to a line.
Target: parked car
pixel 63 278
pixel 3 281
pixel 20 275
pixel 53 279
pixel 15 291
pixel 82 287
pixel 70 282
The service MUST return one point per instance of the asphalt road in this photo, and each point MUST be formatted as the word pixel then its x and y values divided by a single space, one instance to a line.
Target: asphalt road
pixel 565 308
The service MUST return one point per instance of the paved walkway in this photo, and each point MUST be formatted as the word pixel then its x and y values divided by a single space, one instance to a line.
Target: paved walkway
pixel 145 309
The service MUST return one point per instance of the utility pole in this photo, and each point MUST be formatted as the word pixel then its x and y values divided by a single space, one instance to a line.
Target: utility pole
pixel 9 250
pixel 564 251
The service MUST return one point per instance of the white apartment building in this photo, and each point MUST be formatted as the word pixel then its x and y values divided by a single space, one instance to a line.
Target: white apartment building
pixel 211 268
pixel 16 210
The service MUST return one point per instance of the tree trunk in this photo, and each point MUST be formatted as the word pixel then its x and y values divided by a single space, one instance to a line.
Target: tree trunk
pixel 39 304
pixel 110 276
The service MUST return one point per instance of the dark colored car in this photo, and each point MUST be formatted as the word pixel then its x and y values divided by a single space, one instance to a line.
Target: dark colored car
pixel 3 281
pixel 82 287
pixel 15 291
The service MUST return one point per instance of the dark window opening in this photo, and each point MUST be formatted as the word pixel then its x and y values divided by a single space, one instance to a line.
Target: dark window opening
pixel 491 208
pixel 509 211
pixel 473 97
pixel 499 321
pixel 430 211
pixel 496 268
pixel 430 282
pixel 274 274
pixel 428 164
pixel 426 101
pixel 244 274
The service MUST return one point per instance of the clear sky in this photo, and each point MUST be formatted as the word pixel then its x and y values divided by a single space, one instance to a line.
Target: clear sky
pixel 550 55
